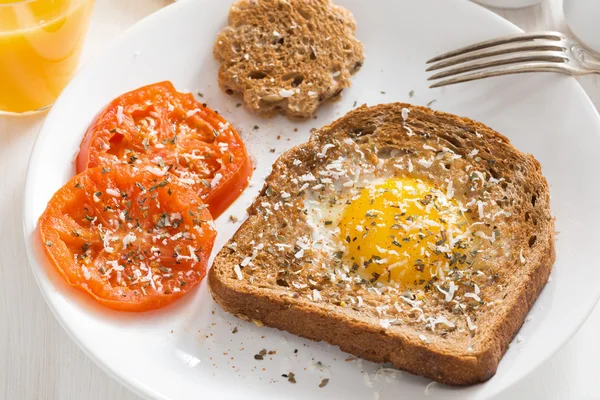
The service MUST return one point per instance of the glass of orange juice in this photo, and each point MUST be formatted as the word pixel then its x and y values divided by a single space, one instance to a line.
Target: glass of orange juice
pixel 40 44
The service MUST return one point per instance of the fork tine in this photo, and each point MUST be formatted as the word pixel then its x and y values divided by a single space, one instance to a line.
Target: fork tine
pixel 549 56
pixel 513 69
pixel 522 37
pixel 542 45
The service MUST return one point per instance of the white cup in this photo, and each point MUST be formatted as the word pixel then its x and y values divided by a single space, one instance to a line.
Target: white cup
pixel 510 3
pixel 583 17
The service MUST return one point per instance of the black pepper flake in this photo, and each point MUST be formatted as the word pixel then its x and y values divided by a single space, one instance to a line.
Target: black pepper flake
pixel 48 243
pixel 105 170
pixel 79 185
pixel 324 383
pixel 255 127
pixel 411 93
pixel 200 94
pixel 431 102
pixel 235 330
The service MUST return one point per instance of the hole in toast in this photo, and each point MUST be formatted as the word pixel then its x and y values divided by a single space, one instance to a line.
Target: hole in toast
pixel 387 153
pixel 364 131
pixel 527 216
pixel 296 78
pixel 448 166
pixel 282 282
pixel 532 240
pixel 452 140
pixel 257 75
pixel 298 81
pixel 533 200
pixel 229 92
pixel 495 174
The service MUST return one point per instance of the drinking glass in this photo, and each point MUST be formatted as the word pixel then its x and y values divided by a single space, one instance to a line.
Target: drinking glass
pixel 40 45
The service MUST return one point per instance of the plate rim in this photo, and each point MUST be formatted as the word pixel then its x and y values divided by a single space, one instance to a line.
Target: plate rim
pixel 132 384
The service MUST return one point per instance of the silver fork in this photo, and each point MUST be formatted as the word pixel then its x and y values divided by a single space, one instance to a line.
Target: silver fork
pixel 525 52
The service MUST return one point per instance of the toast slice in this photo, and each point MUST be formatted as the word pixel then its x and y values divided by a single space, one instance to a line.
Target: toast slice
pixel 287 56
pixel 453 328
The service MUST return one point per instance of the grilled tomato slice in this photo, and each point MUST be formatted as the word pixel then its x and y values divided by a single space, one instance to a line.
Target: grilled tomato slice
pixel 164 131
pixel 132 240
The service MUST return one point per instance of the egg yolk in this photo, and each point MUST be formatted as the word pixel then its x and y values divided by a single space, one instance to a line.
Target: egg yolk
pixel 404 230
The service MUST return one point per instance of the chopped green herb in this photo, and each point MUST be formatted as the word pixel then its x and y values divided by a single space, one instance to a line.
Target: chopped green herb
pixel 159 185
pixel 291 377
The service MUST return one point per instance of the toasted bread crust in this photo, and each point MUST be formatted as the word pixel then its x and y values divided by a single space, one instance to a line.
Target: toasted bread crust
pixel 356 333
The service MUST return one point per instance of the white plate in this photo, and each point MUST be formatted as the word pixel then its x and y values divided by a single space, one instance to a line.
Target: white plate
pixel 188 350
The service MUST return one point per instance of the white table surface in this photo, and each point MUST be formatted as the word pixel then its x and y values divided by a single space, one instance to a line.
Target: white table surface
pixel 39 361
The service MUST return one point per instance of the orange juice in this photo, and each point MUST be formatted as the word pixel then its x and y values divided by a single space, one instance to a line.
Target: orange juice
pixel 40 44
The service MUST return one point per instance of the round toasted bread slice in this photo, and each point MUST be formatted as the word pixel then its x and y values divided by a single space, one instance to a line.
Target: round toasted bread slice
pixel 282 267
pixel 287 56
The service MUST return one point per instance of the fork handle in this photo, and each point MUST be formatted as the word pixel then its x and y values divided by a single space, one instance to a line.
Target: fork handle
pixel 587 58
